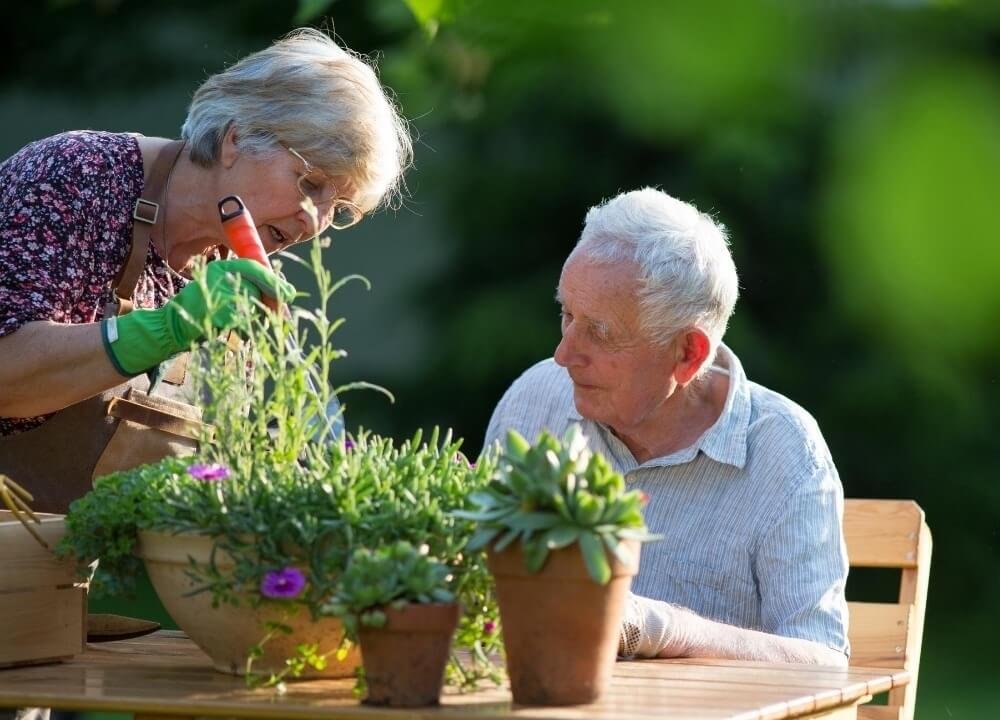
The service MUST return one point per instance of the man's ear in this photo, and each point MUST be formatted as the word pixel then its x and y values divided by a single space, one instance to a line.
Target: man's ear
pixel 693 351
pixel 228 151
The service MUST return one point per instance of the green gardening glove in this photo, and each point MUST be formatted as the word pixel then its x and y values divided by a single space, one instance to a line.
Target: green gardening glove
pixel 143 338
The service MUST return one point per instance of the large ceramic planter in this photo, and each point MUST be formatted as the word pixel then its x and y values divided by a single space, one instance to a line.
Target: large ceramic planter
pixel 405 658
pixel 560 628
pixel 226 633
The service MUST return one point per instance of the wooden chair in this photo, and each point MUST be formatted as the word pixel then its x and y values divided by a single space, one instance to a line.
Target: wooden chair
pixel 889 534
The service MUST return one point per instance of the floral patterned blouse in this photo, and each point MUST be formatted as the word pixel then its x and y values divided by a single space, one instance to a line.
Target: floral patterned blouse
pixel 65 230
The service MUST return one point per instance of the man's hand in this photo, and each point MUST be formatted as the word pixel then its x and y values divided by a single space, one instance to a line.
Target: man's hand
pixel 143 338
pixel 645 628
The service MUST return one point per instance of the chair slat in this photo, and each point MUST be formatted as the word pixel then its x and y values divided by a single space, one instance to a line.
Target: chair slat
pixel 878 712
pixel 878 633
pixel 882 533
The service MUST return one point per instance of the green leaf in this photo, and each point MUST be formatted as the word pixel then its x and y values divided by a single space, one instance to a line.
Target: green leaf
pixel 618 549
pixel 517 446
pixel 532 521
pixel 484 499
pixel 481 538
pixel 588 509
pixel 560 536
pixel 507 539
pixel 594 557
pixel 535 554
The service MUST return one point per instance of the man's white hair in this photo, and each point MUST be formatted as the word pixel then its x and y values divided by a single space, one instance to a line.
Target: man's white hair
pixel 685 270
pixel 306 92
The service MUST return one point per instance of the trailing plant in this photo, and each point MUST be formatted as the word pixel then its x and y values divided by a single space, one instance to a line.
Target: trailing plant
pixel 281 494
pixel 552 494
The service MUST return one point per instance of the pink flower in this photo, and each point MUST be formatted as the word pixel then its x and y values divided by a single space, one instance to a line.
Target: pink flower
pixel 208 473
pixel 488 627
pixel 282 584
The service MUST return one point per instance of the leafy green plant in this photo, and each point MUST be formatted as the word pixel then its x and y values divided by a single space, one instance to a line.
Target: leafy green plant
pixel 552 494
pixel 390 576
pixel 288 502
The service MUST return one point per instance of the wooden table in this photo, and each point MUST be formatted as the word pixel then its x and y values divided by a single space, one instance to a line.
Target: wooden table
pixel 166 675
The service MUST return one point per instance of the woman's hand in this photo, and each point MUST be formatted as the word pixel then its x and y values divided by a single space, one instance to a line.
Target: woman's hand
pixel 143 338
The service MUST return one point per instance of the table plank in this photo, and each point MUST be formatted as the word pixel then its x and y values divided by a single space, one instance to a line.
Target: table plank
pixel 165 674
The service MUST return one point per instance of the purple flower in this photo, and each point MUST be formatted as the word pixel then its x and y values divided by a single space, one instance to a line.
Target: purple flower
pixel 281 584
pixel 208 473
pixel 348 445
pixel 488 627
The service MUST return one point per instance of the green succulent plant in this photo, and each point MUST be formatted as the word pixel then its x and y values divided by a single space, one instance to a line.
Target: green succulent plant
pixel 394 575
pixel 552 494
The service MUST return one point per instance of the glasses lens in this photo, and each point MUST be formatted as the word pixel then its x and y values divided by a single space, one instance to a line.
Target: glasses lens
pixel 316 190
pixel 344 216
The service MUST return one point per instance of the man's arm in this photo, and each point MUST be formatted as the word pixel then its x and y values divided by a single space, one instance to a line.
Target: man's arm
pixel 800 566
pixel 698 637
pixel 657 629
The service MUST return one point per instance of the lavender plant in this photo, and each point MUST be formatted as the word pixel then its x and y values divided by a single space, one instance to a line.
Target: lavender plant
pixel 286 501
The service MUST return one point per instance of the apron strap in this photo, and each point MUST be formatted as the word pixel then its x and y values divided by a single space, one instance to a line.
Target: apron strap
pixel 145 215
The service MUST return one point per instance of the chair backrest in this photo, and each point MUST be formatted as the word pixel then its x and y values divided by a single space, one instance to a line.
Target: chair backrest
pixel 889 534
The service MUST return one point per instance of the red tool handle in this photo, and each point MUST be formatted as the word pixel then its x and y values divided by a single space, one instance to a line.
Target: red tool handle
pixel 242 237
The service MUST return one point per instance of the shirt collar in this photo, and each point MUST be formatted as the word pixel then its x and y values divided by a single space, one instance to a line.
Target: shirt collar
pixel 725 441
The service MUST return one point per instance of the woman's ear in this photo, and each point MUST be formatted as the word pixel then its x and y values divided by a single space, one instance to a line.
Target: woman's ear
pixel 229 152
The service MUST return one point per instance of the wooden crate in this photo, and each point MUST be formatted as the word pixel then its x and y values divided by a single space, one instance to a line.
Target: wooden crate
pixel 43 607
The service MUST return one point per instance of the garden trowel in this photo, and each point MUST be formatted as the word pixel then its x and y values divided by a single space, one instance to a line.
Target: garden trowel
pixel 104 627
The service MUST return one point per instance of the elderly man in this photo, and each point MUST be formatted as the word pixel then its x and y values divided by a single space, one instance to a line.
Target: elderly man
pixel 741 484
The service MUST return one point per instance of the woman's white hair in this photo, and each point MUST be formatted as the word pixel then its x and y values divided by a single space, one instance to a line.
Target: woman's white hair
pixel 686 272
pixel 307 92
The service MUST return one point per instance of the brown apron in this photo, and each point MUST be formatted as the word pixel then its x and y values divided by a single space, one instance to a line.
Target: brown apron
pixel 122 427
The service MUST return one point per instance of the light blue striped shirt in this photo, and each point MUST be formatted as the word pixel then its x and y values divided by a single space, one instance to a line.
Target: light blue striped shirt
pixel 751 514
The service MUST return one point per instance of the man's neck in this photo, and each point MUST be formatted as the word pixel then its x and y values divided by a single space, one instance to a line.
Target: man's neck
pixel 679 421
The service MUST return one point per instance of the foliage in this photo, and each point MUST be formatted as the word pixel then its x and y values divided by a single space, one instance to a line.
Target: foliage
pixel 288 501
pixel 394 575
pixel 550 495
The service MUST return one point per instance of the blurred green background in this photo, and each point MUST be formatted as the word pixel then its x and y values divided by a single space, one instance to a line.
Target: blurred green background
pixel 852 149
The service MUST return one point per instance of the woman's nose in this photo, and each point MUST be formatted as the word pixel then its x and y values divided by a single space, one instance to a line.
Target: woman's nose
pixel 316 219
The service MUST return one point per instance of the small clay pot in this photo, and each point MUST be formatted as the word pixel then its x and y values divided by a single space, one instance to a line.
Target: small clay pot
pixel 404 659
pixel 560 628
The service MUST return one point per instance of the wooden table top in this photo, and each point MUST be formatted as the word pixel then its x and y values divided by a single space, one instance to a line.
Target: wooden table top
pixel 166 674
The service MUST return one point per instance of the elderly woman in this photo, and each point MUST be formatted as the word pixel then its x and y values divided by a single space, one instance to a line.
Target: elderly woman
pixel 92 223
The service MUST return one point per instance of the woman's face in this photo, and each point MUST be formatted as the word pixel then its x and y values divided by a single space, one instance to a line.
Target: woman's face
pixel 269 186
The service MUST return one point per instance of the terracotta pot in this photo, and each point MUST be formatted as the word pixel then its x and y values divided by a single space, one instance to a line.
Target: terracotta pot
pixel 405 658
pixel 560 628
pixel 226 633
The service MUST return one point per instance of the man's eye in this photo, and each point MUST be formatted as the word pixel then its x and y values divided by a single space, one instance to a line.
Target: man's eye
pixel 311 184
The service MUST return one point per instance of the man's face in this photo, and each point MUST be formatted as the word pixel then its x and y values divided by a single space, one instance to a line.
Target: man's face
pixel 619 377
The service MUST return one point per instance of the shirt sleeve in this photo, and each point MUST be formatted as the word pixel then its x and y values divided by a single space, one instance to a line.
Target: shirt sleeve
pixel 46 243
pixel 801 563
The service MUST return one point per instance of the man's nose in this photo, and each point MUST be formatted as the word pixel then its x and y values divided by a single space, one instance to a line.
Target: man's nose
pixel 566 353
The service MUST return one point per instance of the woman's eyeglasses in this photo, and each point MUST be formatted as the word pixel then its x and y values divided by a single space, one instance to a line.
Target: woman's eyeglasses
pixel 335 212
